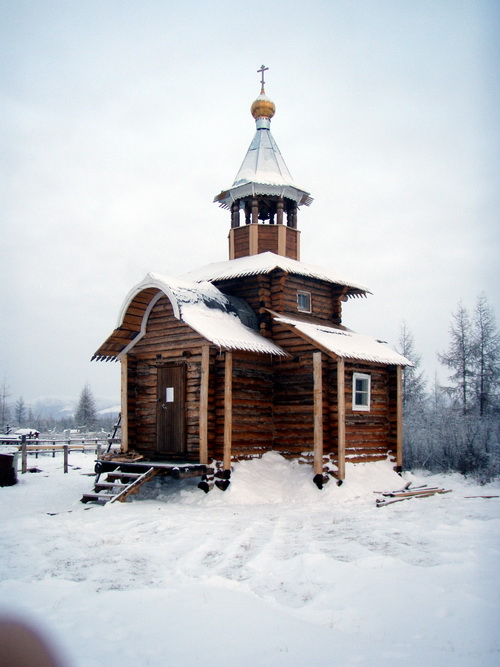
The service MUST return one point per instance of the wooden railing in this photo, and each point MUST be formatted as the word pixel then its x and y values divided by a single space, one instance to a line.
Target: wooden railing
pixel 37 446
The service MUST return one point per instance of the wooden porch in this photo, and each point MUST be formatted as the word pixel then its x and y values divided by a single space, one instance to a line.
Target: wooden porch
pixel 124 478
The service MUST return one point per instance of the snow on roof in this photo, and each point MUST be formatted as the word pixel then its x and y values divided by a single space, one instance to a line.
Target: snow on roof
pixel 226 330
pixel 347 344
pixel 263 171
pixel 206 310
pixel 266 262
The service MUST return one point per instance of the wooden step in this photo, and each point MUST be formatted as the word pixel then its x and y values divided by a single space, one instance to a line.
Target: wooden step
pixel 97 497
pixel 100 486
pixel 120 475
pixel 118 490
pixel 135 485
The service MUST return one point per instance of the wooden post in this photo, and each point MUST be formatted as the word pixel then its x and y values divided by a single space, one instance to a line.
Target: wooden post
pixel 65 451
pixel 228 409
pixel 203 421
pixel 253 240
pixel 399 416
pixel 341 418
pixel 255 211
pixel 24 455
pixel 318 412
pixel 235 214
pixel 231 244
pixel 124 402
pixel 282 231
pixel 279 211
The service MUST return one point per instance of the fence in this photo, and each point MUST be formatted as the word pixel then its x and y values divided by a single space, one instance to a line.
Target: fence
pixel 65 446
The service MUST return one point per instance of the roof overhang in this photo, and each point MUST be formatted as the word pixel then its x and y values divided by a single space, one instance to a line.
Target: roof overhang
pixel 339 342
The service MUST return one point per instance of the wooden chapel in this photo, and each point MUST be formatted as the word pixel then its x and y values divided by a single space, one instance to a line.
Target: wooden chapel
pixel 250 355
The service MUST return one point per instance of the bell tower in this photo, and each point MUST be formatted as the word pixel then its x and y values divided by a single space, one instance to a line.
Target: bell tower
pixel 263 199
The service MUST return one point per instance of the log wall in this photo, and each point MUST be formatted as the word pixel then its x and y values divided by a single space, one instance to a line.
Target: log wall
pixel 167 340
pixel 266 238
pixel 272 397
pixel 278 291
pixel 367 433
pixel 252 412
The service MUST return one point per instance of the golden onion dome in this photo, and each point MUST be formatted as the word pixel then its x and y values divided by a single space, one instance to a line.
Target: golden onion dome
pixel 263 107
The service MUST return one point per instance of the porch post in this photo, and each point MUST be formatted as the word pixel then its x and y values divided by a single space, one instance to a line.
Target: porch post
pixel 318 413
pixel 203 420
pixel 228 409
pixel 341 418
pixel 399 416
pixel 124 402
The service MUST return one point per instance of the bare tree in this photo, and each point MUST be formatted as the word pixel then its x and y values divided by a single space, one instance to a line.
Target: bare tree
pixel 460 358
pixel 486 349
pixel 4 407
pixel 413 380
pixel 20 411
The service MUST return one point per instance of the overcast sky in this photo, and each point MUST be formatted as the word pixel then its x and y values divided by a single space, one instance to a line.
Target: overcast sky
pixel 121 120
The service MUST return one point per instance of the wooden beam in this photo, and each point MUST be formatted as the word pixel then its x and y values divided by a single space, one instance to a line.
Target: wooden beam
pixel 318 412
pixel 341 418
pixel 203 421
pixel 124 402
pixel 228 409
pixel 399 417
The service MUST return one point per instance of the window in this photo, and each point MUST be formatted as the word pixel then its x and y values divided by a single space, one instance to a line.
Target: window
pixel 304 302
pixel 361 383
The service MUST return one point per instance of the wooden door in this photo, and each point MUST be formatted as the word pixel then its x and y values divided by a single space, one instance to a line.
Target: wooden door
pixel 170 412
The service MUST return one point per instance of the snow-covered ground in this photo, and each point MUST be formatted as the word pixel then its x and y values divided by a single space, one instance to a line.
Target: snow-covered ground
pixel 271 572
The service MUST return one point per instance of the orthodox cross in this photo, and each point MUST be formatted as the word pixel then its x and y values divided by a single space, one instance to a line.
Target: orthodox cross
pixel 262 70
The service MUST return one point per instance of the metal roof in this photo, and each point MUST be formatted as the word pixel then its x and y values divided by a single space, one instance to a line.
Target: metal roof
pixel 263 172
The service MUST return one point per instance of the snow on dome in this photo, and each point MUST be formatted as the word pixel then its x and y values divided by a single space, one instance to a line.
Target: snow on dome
pixel 347 344
pixel 266 262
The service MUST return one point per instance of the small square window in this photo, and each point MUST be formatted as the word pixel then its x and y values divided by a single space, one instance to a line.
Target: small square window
pixel 304 302
pixel 361 386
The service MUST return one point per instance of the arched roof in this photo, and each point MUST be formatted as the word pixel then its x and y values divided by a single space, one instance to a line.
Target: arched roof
pixel 204 308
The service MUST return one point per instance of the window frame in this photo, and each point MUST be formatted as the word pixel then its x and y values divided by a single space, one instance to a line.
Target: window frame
pixel 309 301
pixel 361 407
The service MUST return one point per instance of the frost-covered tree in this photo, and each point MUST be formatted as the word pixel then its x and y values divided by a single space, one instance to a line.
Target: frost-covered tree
pixel 413 379
pixel 20 411
pixel 4 407
pixel 486 349
pixel 459 358
pixel 86 415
